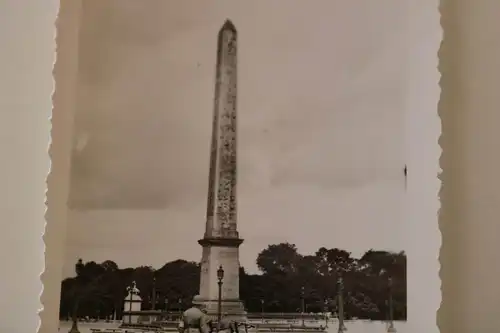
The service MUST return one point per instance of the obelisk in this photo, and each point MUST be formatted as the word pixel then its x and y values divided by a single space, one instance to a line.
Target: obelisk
pixel 221 240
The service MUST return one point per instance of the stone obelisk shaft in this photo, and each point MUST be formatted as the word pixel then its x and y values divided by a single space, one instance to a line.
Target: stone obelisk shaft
pixel 221 239
pixel 221 205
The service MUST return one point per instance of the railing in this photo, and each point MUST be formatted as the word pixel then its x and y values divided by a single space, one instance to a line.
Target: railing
pixel 281 315
pixel 262 322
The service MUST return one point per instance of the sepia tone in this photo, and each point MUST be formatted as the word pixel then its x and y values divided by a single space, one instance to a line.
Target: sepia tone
pixel 316 176
pixel 221 241
pixel 144 157
pixel 28 60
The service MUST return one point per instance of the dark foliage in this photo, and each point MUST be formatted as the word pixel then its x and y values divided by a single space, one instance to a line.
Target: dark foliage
pixel 288 281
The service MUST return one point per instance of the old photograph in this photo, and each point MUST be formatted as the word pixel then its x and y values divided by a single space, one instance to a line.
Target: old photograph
pixel 239 167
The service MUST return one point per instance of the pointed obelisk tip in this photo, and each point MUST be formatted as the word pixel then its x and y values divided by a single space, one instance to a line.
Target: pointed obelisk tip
pixel 228 25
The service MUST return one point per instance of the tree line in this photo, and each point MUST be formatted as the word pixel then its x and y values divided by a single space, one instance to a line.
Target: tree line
pixel 288 282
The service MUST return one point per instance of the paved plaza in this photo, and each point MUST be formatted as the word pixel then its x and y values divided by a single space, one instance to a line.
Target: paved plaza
pixel 360 326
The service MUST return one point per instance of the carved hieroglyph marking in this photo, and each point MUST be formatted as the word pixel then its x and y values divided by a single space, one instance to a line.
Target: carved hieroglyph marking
pixel 221 205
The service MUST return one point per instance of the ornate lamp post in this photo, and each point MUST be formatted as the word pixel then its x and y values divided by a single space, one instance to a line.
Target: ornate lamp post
pixel 74 316
pixel 220 277
pixel 167 317
pixel 262 309
pixel 326 312
pixel 340 305
pixel 153 296
pixel 391 328
pixel 302 304
pixel 74 326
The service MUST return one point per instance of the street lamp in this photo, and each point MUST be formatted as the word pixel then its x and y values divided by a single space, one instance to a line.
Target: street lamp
pixel 302 304
pixel 326 312
pixel 153 297
pixel 340 305
pixel 391 328
pixel 79 267
pixel 262 309
pixel 74 326
pixel 220 277
pixel 166 308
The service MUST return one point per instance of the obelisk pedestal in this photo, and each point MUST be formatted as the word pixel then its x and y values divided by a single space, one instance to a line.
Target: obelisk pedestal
pixel 221 240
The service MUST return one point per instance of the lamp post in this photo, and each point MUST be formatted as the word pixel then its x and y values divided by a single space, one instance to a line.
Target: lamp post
pixel 79 266
pixel 153 297
pixel 262 309
pixel 391 328
pixel 326 312
pixel 74 326
pixel 220 277
pixel 166 308
pixel 340 304
pixel 302 304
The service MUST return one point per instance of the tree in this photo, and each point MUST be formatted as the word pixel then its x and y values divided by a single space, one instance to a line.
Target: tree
pixel 333 261
pixel 287 277
pixel 85 289
pixel 378 267
pixel 179 281
pixel 116 288
pixel 279 258
pixel 109 266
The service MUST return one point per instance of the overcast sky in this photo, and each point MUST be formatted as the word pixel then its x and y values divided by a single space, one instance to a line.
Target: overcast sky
pixel 321 101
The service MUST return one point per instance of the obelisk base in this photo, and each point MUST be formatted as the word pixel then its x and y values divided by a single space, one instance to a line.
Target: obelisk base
pixel 233 309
